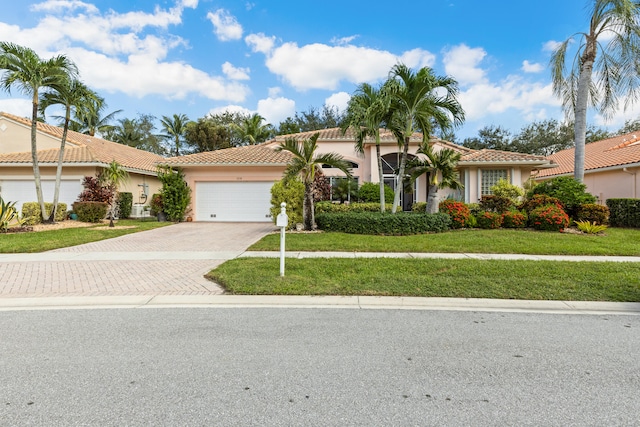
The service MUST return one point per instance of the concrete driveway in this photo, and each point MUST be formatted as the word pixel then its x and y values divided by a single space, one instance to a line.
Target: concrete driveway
pixel 166 261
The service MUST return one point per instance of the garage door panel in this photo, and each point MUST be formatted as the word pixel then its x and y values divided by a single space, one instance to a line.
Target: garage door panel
pixel 22 191
pixel 233 201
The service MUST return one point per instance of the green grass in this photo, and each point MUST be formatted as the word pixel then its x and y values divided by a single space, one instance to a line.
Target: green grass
pixel 47 240
pixel 532 280
pixel 616 241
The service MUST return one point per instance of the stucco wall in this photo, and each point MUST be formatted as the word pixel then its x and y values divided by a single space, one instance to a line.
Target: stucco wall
pixel 613 184
pixel 12 138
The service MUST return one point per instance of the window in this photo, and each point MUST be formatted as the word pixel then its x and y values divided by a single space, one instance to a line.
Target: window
pixel 490 177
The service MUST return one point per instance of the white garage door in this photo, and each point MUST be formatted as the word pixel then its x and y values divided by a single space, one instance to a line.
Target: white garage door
pixel 21 191
pixel 233 201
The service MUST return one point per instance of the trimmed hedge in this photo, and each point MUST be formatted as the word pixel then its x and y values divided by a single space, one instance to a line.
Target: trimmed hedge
pixel 624 212
pixel 31 212
pixel 328 207
pixel 399 224
pixel 125 202
pixel 90 211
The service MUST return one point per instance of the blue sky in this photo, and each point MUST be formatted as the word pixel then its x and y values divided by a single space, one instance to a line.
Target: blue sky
pixel 279 57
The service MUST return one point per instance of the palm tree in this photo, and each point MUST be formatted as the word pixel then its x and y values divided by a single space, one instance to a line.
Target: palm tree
pixel 252 131
pixel 26 70
pixel 600 74
pixel 418 101
pixel 441 167
pixel 89 120
pixel 304 164
pixel 366 113
pixel 72 94
pixel 113 176
pixel 175 129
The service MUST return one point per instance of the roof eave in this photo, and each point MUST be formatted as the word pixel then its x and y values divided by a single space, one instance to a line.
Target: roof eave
pixel 532 163
pixel 205 164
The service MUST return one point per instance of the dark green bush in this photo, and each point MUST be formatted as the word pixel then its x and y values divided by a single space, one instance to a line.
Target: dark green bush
pixel 497 204
pixel 592 212
pixel 489 220
pixel 125 202
pixel 31 212
pixel 549 218
pixel 624 212
pixel 292 193
pixel 370 192
pixel 176 194
pixel 419 207
pixel 383 223
pixel 570 192
pixel 90 211
pixel 327 207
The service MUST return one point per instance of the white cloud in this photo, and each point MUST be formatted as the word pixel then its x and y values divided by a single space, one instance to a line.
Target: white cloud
pixel 343 40
pixel 260 42
pixel 320 66
pixel 225 25
pixel 338 100
pixel 235 73
pixel 230 109
pixel 531 67
pixel 61 5
pixel 462 63
pixel 275 110
pixel 274 92
pixel 17 107
pixel 551 45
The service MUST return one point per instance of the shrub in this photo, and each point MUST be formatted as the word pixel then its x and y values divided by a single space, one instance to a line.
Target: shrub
pixel 474 208
pixel 497 204
pixel 549 218
pixel 176 194
pixel 325 207
pixel 590 227
pixel 514 219
pixel 91 211
pixel 292 193
pixel 383 223
pixel 418 207
pixel 96 191
pixel 570 192
pixel 504 188
pixel 538 201
pixel 156 204
pixel 9 215
pixel 458 211
pixel 31 212
pixel 489 220
pixel 370 192
pixel 345 190
pixel 592 212
pixel 624 212
pixel 125 202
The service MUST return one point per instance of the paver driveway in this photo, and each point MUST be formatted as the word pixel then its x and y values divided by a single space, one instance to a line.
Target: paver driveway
pixel 165 261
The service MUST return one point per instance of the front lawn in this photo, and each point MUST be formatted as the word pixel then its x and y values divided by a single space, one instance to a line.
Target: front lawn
pixel 533 280
pixel 40 241
pixel 616 241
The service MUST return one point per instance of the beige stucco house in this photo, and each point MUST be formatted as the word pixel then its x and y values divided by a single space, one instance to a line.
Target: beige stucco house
pixel 84 156
pixel 611 168
pixel 233 184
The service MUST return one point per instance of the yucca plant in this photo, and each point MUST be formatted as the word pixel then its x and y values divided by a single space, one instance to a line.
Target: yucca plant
pixel 9 215
pixel 590 227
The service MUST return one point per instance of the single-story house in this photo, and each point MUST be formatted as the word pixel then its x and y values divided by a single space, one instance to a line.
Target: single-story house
pixel 233 184
pixel 611 167
pixel 84 156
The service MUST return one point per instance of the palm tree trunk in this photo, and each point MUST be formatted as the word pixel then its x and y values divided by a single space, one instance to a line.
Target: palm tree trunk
pixel 307 207
pixel 432 200
pixel 400 177
pixel 56 191
pixel 582 100
pixel 380 175
pixel 34 156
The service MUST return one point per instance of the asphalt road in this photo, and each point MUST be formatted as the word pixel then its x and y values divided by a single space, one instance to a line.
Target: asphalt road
pixel 317 367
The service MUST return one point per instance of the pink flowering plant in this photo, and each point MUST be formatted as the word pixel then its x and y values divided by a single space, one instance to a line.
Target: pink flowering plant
pixel 549 218
pixel 458 211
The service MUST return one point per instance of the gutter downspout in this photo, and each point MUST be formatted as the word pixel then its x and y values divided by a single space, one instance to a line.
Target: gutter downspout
pixel 625 170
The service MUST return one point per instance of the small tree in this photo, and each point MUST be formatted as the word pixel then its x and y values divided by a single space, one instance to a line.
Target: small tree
pixel 113 176
pixel 441 169
pixel 176 194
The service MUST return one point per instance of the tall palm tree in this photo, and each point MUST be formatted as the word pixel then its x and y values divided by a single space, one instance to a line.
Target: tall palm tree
pixel 113 176
pixel 304 164
pixel 89 120
pixel 600 73
pixel 175 128
pixel 25 69
pixel 441 167
pixel 366 113
pixel 251 129
pixel 72 94
pixel 418 101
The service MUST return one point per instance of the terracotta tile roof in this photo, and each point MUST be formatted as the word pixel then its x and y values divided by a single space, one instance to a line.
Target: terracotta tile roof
pixel 617 151
pixel 248 155
pixel 82 148
pixel 497 156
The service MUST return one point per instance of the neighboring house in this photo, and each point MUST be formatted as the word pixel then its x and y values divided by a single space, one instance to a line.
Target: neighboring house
pixel 84 156
pixel 233 184
pixel 611 167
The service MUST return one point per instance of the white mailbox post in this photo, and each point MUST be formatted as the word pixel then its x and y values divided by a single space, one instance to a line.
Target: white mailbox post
pixel 282 221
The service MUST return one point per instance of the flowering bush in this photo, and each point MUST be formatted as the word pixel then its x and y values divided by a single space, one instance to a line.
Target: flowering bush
pixel 549 218
pixel 514 219
pixel 458 211
pixel 496 204
pixel 539 200
pixel 490 220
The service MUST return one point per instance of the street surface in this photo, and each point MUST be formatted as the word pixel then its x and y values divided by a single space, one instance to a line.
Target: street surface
pixel 317 367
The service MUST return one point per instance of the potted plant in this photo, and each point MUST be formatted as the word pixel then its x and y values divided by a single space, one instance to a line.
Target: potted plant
pixel 157 207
